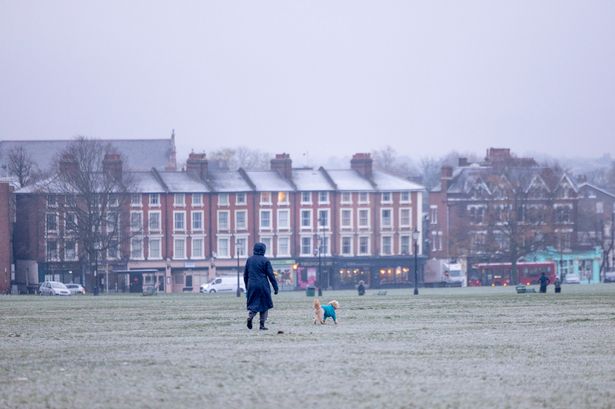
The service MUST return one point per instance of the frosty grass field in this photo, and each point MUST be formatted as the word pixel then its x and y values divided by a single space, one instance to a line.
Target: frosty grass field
pixel 446 348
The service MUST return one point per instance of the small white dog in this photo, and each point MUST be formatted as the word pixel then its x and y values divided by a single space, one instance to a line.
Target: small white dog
pixel 322 312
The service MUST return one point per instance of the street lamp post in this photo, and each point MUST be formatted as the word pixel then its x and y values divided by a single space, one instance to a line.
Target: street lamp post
pixel 237 253
pixel 415 237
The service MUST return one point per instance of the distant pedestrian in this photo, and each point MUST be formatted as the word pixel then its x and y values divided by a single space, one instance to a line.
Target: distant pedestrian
pixel 361 288
pixel 544 281
pixel 558 285
pixel 257 275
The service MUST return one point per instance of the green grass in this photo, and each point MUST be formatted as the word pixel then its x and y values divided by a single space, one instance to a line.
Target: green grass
pixel 446 348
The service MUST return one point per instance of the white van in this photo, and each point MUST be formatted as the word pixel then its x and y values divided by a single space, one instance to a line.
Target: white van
pixel 223 285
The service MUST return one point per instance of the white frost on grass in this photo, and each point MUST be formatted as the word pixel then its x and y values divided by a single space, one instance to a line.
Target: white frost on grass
pixel 446 348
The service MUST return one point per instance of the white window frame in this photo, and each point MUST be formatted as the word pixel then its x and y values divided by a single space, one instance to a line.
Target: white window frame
pixel 243 197
pixel 76 255
pixel 194 228
pixel 327 226
pixel 382 238
pixel 136 200
pixel 241 246
pixel 285 197
pixel 245 223
pixel 228 221
pixel 56 222
pixel 177 240
pixel 311 240
pixel 151 240
pixel 219 240
pixel 179 199
pixel 55 256
pixel 433 214
pixel 154 200
pixel 350 253
pixel 363 197
pixel 303 227
pixel 265 198
pixel 405 200
pixel 175 214
pixel 350 224
pixel 359 211
pixel 260 219
pixel 279 225
pixel 392 222
pixel 401 241
pixel 383 198
pixel 401 218
pixel 309 196
pixel 134 213
pixel 280 250
pixel 132 248
pixel 149 221
pixel 324 197
pixel 223 199
pixel 346 198
pixel 192 241
pixel 197 199
pixel 368 252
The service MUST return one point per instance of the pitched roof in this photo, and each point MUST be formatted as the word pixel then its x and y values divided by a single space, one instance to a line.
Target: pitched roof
pixel 228 181
pixel 183 182
pixel 310 180
pixel 269 181
pixel 140 154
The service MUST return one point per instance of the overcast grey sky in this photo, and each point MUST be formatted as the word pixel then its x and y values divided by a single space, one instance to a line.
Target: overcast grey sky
pixel 319 77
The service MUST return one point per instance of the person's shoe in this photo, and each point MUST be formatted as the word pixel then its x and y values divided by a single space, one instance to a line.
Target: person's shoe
pixel 249 323
pixel 263 327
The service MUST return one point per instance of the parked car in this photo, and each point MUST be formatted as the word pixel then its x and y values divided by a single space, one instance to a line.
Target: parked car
pixel 609 276
pixel 223 284
pixel 572 278
pixel 75 288
pixel 53 288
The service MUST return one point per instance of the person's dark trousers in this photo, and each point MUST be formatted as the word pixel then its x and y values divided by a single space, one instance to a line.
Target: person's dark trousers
pixel 543 289
pixel 263 318
pixel 558 290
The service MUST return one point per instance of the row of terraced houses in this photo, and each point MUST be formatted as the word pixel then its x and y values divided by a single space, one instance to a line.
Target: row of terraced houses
pixel 329 227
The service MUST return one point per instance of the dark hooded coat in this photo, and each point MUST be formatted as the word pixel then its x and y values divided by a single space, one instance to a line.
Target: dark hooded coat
pixel 257 275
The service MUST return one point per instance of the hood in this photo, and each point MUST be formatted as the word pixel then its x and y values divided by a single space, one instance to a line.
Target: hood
pixel 259 249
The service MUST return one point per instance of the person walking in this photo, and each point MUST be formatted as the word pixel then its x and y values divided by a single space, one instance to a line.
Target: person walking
pixel 544 281
pixel 257 275
pixel 558 285
pixel 361 288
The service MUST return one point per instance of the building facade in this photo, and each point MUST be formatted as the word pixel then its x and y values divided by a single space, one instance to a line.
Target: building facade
pixel 506 208
pixel 179 229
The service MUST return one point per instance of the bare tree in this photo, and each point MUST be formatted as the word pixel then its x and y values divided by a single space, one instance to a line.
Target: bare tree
pixel 429 169
pixel 388 160
pixel 21 165
pixel 95 190
pixel 242 157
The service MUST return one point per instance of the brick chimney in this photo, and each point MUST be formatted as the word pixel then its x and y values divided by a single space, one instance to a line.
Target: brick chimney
pixel 498 155
pixel 112 165
pixel 362 163
pixel 196 165
pixel 446 174
pixel 68 165
pixel 283 165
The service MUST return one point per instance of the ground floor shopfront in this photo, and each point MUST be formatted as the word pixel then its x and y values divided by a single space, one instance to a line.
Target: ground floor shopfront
pixel 347 272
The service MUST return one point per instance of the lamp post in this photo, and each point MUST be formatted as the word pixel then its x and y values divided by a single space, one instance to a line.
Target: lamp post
pixel 321 243
pixel 237 253
pixel 415 237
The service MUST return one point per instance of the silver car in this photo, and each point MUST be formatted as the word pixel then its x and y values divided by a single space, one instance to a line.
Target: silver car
pixel 53 288
pixel 75 288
